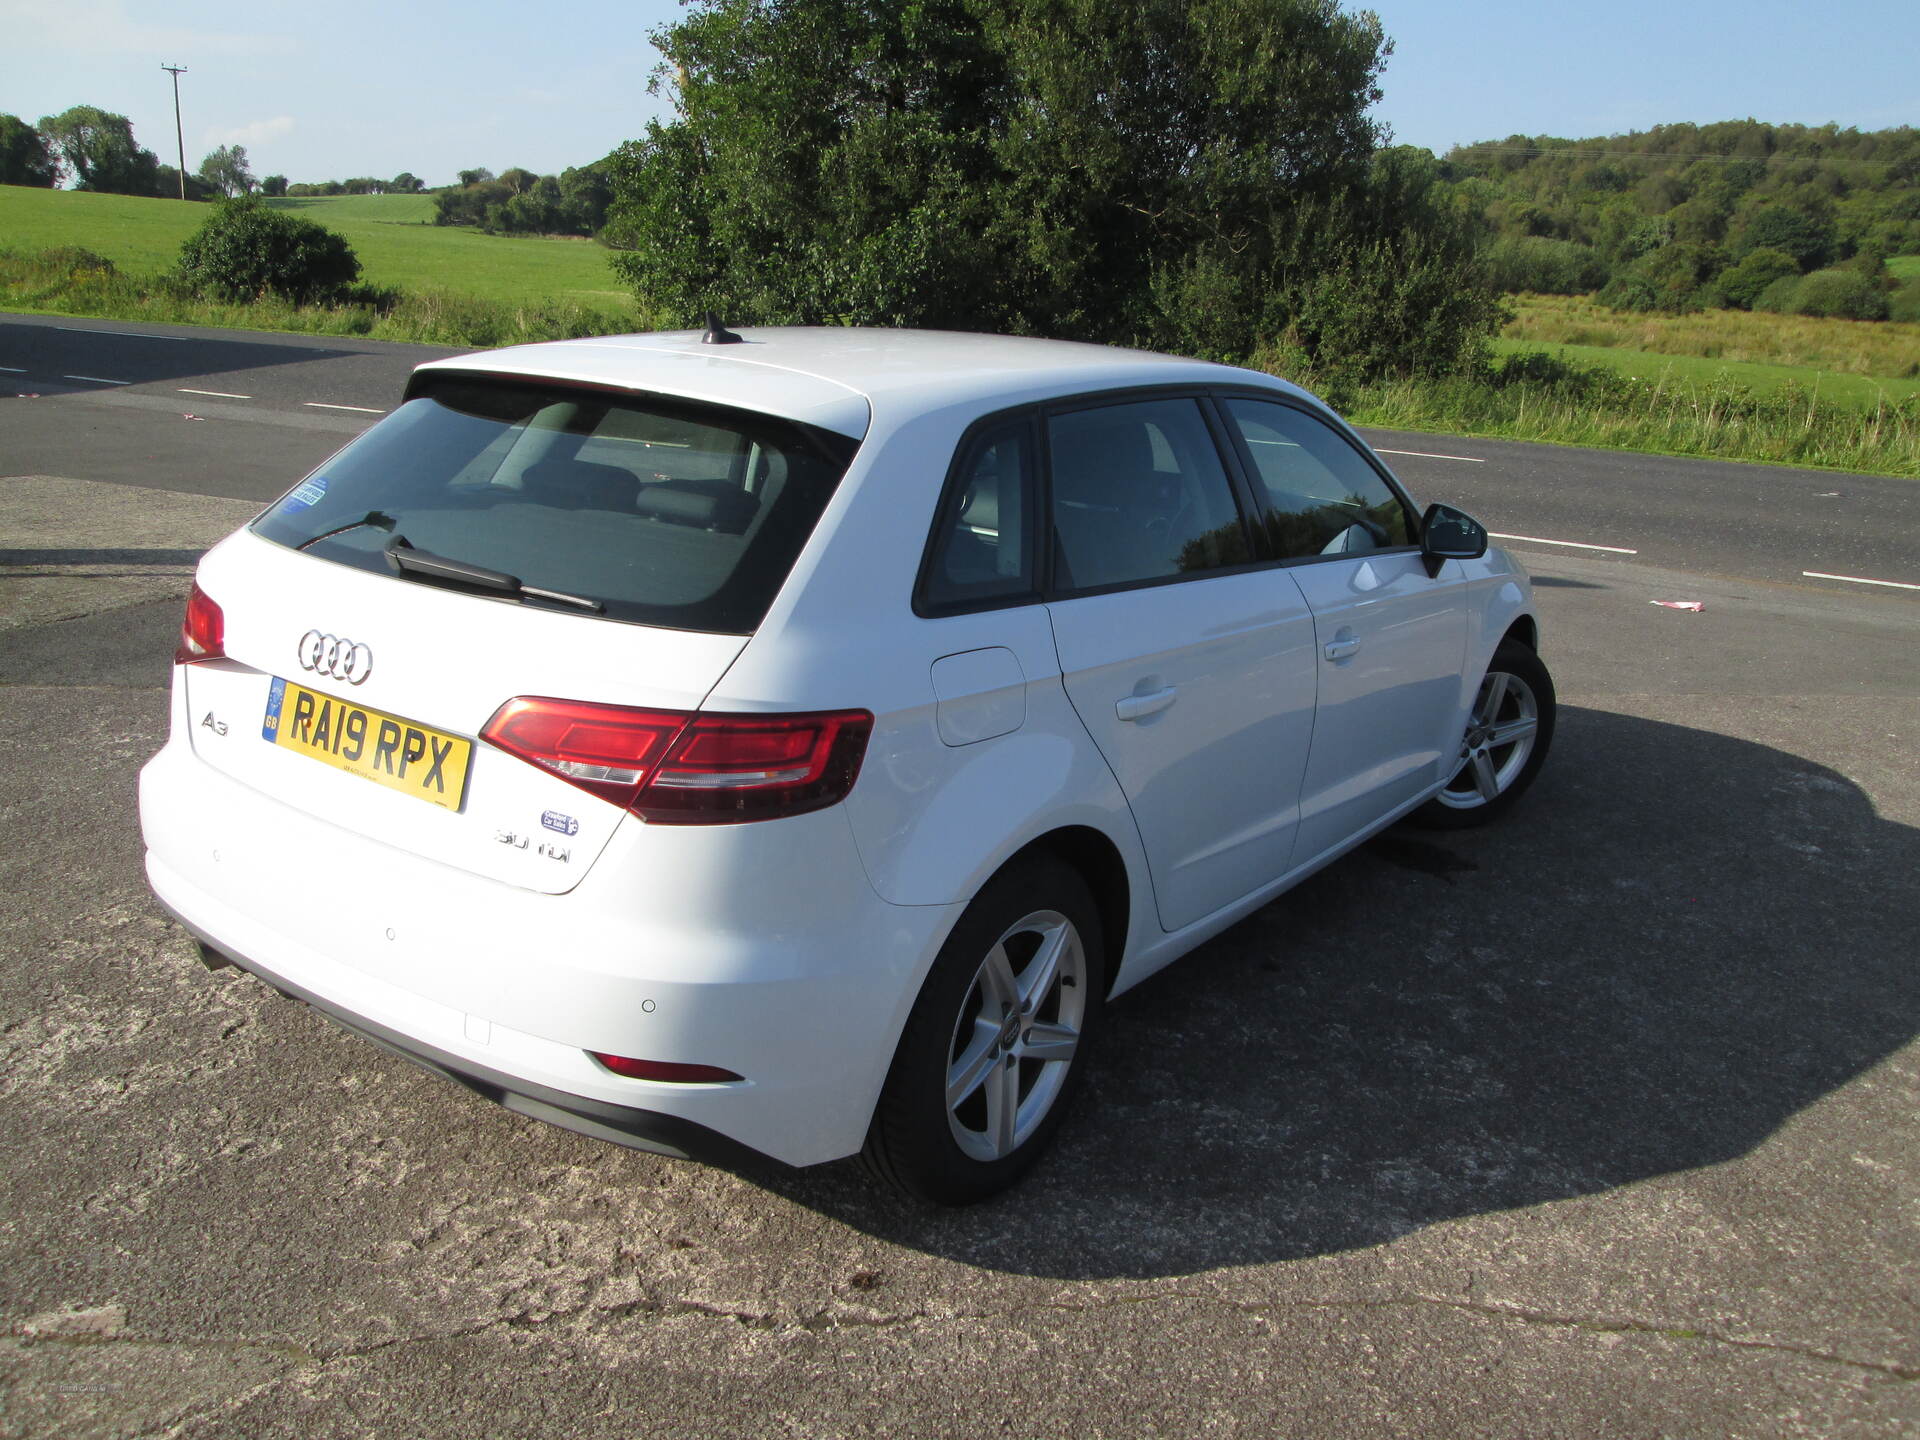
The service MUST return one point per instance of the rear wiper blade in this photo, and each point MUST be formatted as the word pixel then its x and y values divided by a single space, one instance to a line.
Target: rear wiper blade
pixel 378 519
pixel 444 570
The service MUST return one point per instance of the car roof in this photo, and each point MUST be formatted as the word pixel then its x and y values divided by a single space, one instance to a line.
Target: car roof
pixel 834 377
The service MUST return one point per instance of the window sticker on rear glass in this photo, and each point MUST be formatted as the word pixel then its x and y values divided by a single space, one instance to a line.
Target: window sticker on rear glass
pixel 309 492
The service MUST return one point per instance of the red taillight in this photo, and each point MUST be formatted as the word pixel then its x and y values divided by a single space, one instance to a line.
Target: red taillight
pixel 754 767
pixel 665 1070
pixel 607 749
pixel 672 768
pixel 203 634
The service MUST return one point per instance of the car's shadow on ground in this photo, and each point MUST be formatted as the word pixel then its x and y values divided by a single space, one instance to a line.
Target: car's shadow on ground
pixel 1676 943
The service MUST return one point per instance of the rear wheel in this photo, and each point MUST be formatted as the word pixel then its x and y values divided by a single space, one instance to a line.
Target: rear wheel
pixel 994 1047
pixel 1508 732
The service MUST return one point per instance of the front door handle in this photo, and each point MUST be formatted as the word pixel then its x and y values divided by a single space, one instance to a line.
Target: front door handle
pixel 1138 707
pixel 1341 648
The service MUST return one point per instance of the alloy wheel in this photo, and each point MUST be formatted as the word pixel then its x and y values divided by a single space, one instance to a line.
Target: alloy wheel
pixel 1016 1035
pixel 1501 731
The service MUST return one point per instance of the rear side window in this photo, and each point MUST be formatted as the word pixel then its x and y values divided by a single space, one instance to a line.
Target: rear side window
pixel 667 514
pixel 1322 497
pixel 982 553
pixel 1139 494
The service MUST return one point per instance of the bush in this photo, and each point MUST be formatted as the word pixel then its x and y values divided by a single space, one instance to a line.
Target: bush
pixel 1741 285
pixel 73 259
pixel 246 252
pixel 1539 265
pixel 1905 304
pixel 1834 294
pixel 1674 279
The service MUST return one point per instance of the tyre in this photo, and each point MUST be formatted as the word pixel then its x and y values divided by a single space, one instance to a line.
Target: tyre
pixel 996 1043
pixel 1507 737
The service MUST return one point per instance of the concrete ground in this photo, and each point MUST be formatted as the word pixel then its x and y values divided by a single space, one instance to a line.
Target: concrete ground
pixel 1598 1123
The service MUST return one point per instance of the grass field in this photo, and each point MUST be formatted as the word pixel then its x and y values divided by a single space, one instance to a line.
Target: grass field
pixel 1862 391
pixel 1802 344
pixel 1905 268
pixel 143 237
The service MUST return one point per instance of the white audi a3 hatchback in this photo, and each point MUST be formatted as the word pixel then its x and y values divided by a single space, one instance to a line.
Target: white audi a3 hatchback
pixel 784 744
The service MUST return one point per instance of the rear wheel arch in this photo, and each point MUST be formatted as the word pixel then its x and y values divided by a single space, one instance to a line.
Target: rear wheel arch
pixel 1100 864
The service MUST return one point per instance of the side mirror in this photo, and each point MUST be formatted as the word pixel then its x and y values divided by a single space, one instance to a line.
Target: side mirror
pixel 1450 534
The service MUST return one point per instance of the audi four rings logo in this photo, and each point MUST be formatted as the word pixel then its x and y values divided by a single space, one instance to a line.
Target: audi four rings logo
pixel 346 660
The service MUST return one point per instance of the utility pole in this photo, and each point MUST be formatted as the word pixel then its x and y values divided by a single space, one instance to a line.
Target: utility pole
pixel 179 138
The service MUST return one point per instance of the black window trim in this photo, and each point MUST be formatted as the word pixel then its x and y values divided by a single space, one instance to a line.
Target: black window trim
pixel 1242 478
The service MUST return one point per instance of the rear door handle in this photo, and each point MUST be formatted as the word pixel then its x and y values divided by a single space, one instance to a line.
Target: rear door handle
pixel 1138 707
pixel 1340 649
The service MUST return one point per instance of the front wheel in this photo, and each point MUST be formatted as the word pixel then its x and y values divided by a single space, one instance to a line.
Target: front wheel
pixel 995 1045
pixel 1508 732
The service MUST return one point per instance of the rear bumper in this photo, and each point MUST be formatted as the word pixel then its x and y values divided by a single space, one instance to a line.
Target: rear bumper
pixel 759 948
pixel 649 1130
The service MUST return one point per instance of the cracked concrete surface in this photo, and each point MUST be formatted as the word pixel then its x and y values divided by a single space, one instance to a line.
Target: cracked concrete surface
pixel 1601 1123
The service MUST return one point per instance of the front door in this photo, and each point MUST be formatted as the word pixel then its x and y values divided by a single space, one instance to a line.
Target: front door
pixel 1389 639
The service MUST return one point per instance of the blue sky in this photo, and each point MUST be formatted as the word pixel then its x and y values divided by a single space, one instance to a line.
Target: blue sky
pixel 351 87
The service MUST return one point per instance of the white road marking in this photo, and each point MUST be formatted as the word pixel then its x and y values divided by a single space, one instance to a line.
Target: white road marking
pixel 1570 544
pixel 96 380
pixel 121 334
pixel 1425 455
pixel 361 409
pixel 1859 580
pixel 12 369
pixel 217 394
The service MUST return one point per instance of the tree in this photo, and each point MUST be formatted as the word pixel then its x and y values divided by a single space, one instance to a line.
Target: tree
pixel 1673 278
pixel 24 156
pixel 517 180
pixel 1199 175
pixel 274 185
pixel 1808 238
pixel 167 185
pixel 475 177
pixel 406 183
pixel 585 193
pixel 97 148
pixel 246 251
pixel 226 170
pixel 1742 284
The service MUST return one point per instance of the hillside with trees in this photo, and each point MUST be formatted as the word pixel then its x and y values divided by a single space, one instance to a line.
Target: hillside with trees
pixel 1740 215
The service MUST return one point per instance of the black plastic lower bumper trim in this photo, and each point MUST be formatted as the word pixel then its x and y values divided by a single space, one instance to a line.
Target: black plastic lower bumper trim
pixel 599 1119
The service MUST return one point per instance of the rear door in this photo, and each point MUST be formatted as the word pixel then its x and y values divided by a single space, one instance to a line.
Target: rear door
pixel 1390 640
pixel 1193 673
pixel 616 550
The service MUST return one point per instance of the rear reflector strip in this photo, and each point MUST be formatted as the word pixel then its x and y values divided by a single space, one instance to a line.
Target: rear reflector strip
pixel 665 1070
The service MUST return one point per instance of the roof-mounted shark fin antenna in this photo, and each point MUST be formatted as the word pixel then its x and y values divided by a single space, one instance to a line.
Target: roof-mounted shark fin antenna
pixel 718 334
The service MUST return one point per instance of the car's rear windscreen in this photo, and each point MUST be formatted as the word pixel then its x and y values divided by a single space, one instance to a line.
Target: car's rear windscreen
pixel 661 511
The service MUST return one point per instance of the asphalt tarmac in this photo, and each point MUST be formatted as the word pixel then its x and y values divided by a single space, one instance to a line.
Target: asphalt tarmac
pixel 1601 1122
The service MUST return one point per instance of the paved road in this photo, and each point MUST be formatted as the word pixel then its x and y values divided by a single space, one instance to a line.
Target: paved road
pixel 1603 1122
pixel 107 390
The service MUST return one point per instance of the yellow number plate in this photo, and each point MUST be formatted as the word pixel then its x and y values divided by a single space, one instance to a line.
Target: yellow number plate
pixel 400 754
